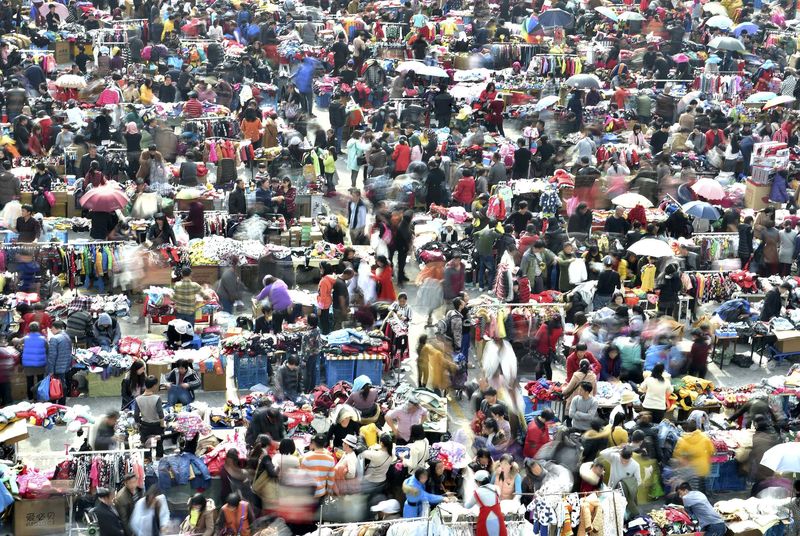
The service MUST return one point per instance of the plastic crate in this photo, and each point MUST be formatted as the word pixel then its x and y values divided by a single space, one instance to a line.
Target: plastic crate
pixel 324 100
pixel 340 369
pixel 725 477
pixel 372 368
pixel 250 371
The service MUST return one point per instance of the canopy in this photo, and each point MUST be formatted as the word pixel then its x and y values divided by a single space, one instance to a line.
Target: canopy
pixel 783 458
pixel 723 22
pixel 584 81
pixel 630 200
pixel 555 18
pixel 651 247
pixel 701 210
pixel 749 27
pixel 709 188
pixel 631 16
pixel 779 101
pixel 727 43
pixel 105 198
pixel 607 12
pixel 422 69
pixel 715 8
pixel 545 103
pixel 760 97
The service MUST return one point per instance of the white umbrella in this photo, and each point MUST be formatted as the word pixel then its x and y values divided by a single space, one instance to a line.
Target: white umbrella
pixel 715 8
pixel 631 199
pixel 783 458
pixel 722 22
pixel 584 81
pixel 779 101
pixel 72 81
pixel 651 247
pixel 545 103
pixel 607 12
pixel 630 16
pixel 760 97
pixel 421 69
pixel 727 43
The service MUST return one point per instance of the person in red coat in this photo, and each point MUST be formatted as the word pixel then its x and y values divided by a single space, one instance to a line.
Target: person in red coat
pixel 401 156
pixel 464 192
pixel 575 357
pixel 537 435
pixel 546 338
pixel 494 117
pixel 382 274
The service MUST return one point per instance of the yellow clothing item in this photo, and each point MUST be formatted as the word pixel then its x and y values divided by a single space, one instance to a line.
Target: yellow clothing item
pixel 439 369
pixel 698 449
pixel 622 269
pixel 169 26
pixel 145 95
pixel 618 437
pixel 448 27
pixel 649 278
pixel 370 434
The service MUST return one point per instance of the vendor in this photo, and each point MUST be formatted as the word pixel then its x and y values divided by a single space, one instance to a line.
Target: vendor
pixel 401 419
pixel 364 398
pixel 182 382
pixel 106 332
pixel 276 291
pixel 774 302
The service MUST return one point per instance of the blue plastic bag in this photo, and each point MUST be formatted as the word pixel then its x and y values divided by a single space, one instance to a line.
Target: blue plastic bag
pixel 43 390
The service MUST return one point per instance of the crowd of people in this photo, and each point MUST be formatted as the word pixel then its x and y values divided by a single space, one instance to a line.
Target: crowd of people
pixel 537 158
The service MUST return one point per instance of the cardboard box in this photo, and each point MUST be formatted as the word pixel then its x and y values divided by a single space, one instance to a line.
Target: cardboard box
pixel 756 196
pixel 59 210
pixel 157 369
pixel 63 52
pixel 100 387
pixel 41 517
pixel 214 382
pixel 26 198
pixel 788 341
pixel 14 432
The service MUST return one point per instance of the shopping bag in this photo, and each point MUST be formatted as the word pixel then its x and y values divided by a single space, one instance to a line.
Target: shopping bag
pixel 56 389
pixel 51 198
pixel 43 390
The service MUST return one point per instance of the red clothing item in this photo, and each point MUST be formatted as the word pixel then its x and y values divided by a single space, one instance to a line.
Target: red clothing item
pixel 193 109
pixel 465 190
pixel 45 321
pixel 495 115
pixel 547 339
pixel 526 241
pixel 401 157
pixel 698 355
pixel 536 438
pixel 619 97
pixel 95 178
pixel 573 362
pixel 714 136
pixel 384 280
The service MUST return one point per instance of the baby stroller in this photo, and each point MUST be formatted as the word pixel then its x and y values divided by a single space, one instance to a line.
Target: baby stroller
pixel 460 376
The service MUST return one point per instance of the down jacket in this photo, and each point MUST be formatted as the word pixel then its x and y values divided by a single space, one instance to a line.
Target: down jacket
pixel 34 350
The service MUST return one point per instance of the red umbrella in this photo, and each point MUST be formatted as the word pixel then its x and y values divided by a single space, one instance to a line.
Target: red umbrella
pixel 104 199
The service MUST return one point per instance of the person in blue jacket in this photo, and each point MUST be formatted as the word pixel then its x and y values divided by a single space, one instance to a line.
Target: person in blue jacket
pixel 304 81
pixel 34 357
pixel 414 488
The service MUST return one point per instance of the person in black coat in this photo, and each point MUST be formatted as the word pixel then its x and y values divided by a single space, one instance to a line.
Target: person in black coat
pixel 237 204
pixel 268 421
pixel 669 289
pixel 773 302
pixel 108 521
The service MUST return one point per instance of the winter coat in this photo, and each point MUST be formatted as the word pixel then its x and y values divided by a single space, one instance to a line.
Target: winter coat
pixel 34 350
pixel 270 138
pixel 59 354
pixel 205 525
pixel 9 187
pixel 698 448
pixel 174 470
pixel 401 157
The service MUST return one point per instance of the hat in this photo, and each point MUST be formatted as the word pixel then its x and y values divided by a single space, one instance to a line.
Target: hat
pixel 628 397
pixel 104 319
pixel 413 400
pixel 129 476
pixel 482 476
pixel 103 492
pixel 351 440
pixel 391 506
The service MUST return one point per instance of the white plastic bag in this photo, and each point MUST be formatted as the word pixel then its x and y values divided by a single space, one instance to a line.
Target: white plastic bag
pixel 10 213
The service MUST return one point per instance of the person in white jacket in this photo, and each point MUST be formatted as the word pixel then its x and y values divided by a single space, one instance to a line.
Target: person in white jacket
pixel 150 511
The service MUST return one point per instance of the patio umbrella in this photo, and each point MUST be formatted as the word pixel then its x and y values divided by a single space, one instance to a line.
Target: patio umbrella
pixel 760 97
pixel 783 458
pixel 749 27
pixel 631 199
pixel 715 8
pixel 71 81
pixel 530 23
pixel 723 22
pixel 778 101
pixel 701 210
pixel 554 18
pixel 545 103
pixel 631 16
pixel 651 247
pixel 104 199
pixel 607 12
pixel 584 81
pixel 727 43
pixel 709 188
pixel 60 10
pixel 680 58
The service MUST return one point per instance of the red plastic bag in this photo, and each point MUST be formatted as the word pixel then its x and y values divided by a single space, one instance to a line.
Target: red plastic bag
pixel 51 198
pixel 56 389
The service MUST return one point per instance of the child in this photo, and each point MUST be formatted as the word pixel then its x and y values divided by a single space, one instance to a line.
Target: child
pixel 698 355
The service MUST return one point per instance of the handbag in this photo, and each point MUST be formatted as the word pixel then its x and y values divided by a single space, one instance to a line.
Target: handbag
pixel 361 160
pixel 50 197
pixel 56 389
pixel 265 487
pixel 43 390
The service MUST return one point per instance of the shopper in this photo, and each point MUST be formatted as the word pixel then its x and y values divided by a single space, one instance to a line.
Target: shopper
pixel 182 381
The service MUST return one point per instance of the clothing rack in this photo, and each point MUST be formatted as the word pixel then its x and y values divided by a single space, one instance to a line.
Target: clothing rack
pixel 24 245
pixel 209 118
